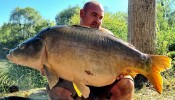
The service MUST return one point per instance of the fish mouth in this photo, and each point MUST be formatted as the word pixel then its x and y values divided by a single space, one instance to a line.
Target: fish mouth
pixel 12 59
pixel 8 56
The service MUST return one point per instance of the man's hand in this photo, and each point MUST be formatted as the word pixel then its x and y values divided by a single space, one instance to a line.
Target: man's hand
pixel 59 93
pixel 123 89
pixel 124 76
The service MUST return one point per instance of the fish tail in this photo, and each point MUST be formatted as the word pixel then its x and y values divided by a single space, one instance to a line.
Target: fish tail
pixel 159 64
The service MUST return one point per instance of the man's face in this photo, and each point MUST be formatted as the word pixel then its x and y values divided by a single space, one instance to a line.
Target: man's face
pixel 92 17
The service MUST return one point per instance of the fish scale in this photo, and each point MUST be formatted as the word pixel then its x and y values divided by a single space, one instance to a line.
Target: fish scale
pixel 87 56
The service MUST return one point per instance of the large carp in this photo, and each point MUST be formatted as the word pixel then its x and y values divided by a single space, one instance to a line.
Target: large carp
pixel 87 56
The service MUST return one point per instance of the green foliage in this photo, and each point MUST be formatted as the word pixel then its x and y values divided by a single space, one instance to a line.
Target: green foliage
pixel 24 77
pixel 23 24
pixel 26 22
pixel 116 23
pixel 63 18
pixel 166 33
pixel 171 54
pixel 23 20
pixel 75 19
pixel 165 25
pixel 27 15
pixel 172 47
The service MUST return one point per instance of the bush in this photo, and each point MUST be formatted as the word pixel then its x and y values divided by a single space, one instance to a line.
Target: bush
pixel 23 77
pixel 171 54
pixel 171 47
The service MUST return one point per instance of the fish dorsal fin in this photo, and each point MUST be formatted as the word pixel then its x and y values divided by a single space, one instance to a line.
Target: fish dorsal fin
pixel 159 64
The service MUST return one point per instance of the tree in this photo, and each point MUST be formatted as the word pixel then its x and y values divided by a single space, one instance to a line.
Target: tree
pixel 25 20
pixel 23 24
pixel 64 16
pixel 116 23
pixel 142 28
pixel 165 25
pixel 142 25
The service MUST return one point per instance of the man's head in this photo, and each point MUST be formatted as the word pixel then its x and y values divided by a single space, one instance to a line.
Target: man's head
pixel 92 15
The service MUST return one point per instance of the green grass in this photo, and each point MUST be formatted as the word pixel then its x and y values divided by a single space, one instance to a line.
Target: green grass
pixel 25 78
pixel 146 93
pixel 3 64
pixel 27 94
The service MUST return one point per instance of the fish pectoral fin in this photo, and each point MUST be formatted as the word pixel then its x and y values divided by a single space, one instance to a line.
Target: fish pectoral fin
pixel 159 64
pixel 77 90
pixel 51 76
pixel 81 89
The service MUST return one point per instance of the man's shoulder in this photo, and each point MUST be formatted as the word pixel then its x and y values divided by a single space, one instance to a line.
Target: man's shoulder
pixel 106 31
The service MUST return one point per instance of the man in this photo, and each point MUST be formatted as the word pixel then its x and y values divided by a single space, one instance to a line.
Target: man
pixel 122 89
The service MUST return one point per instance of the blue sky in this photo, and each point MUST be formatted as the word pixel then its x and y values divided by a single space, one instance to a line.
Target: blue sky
pixel 48 9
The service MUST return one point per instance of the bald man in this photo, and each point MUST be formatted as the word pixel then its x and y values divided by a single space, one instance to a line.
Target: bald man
pixel 92 16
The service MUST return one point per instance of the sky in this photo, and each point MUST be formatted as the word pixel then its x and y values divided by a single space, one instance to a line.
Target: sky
pixel 48 9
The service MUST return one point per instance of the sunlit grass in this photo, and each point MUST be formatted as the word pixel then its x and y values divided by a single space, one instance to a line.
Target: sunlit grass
pixel 3 65
pixel 26 93
pixel 23 77
pixel 148 93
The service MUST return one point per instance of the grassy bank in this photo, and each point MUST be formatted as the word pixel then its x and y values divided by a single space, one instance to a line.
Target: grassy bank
pixel 2 64
pixel 34 94
pixel 147 93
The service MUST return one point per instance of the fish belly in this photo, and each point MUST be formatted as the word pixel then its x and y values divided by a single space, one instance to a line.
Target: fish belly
pixel 80 63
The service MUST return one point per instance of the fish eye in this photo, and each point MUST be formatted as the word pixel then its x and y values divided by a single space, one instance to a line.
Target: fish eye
pixel 144 58
pixel 21 46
